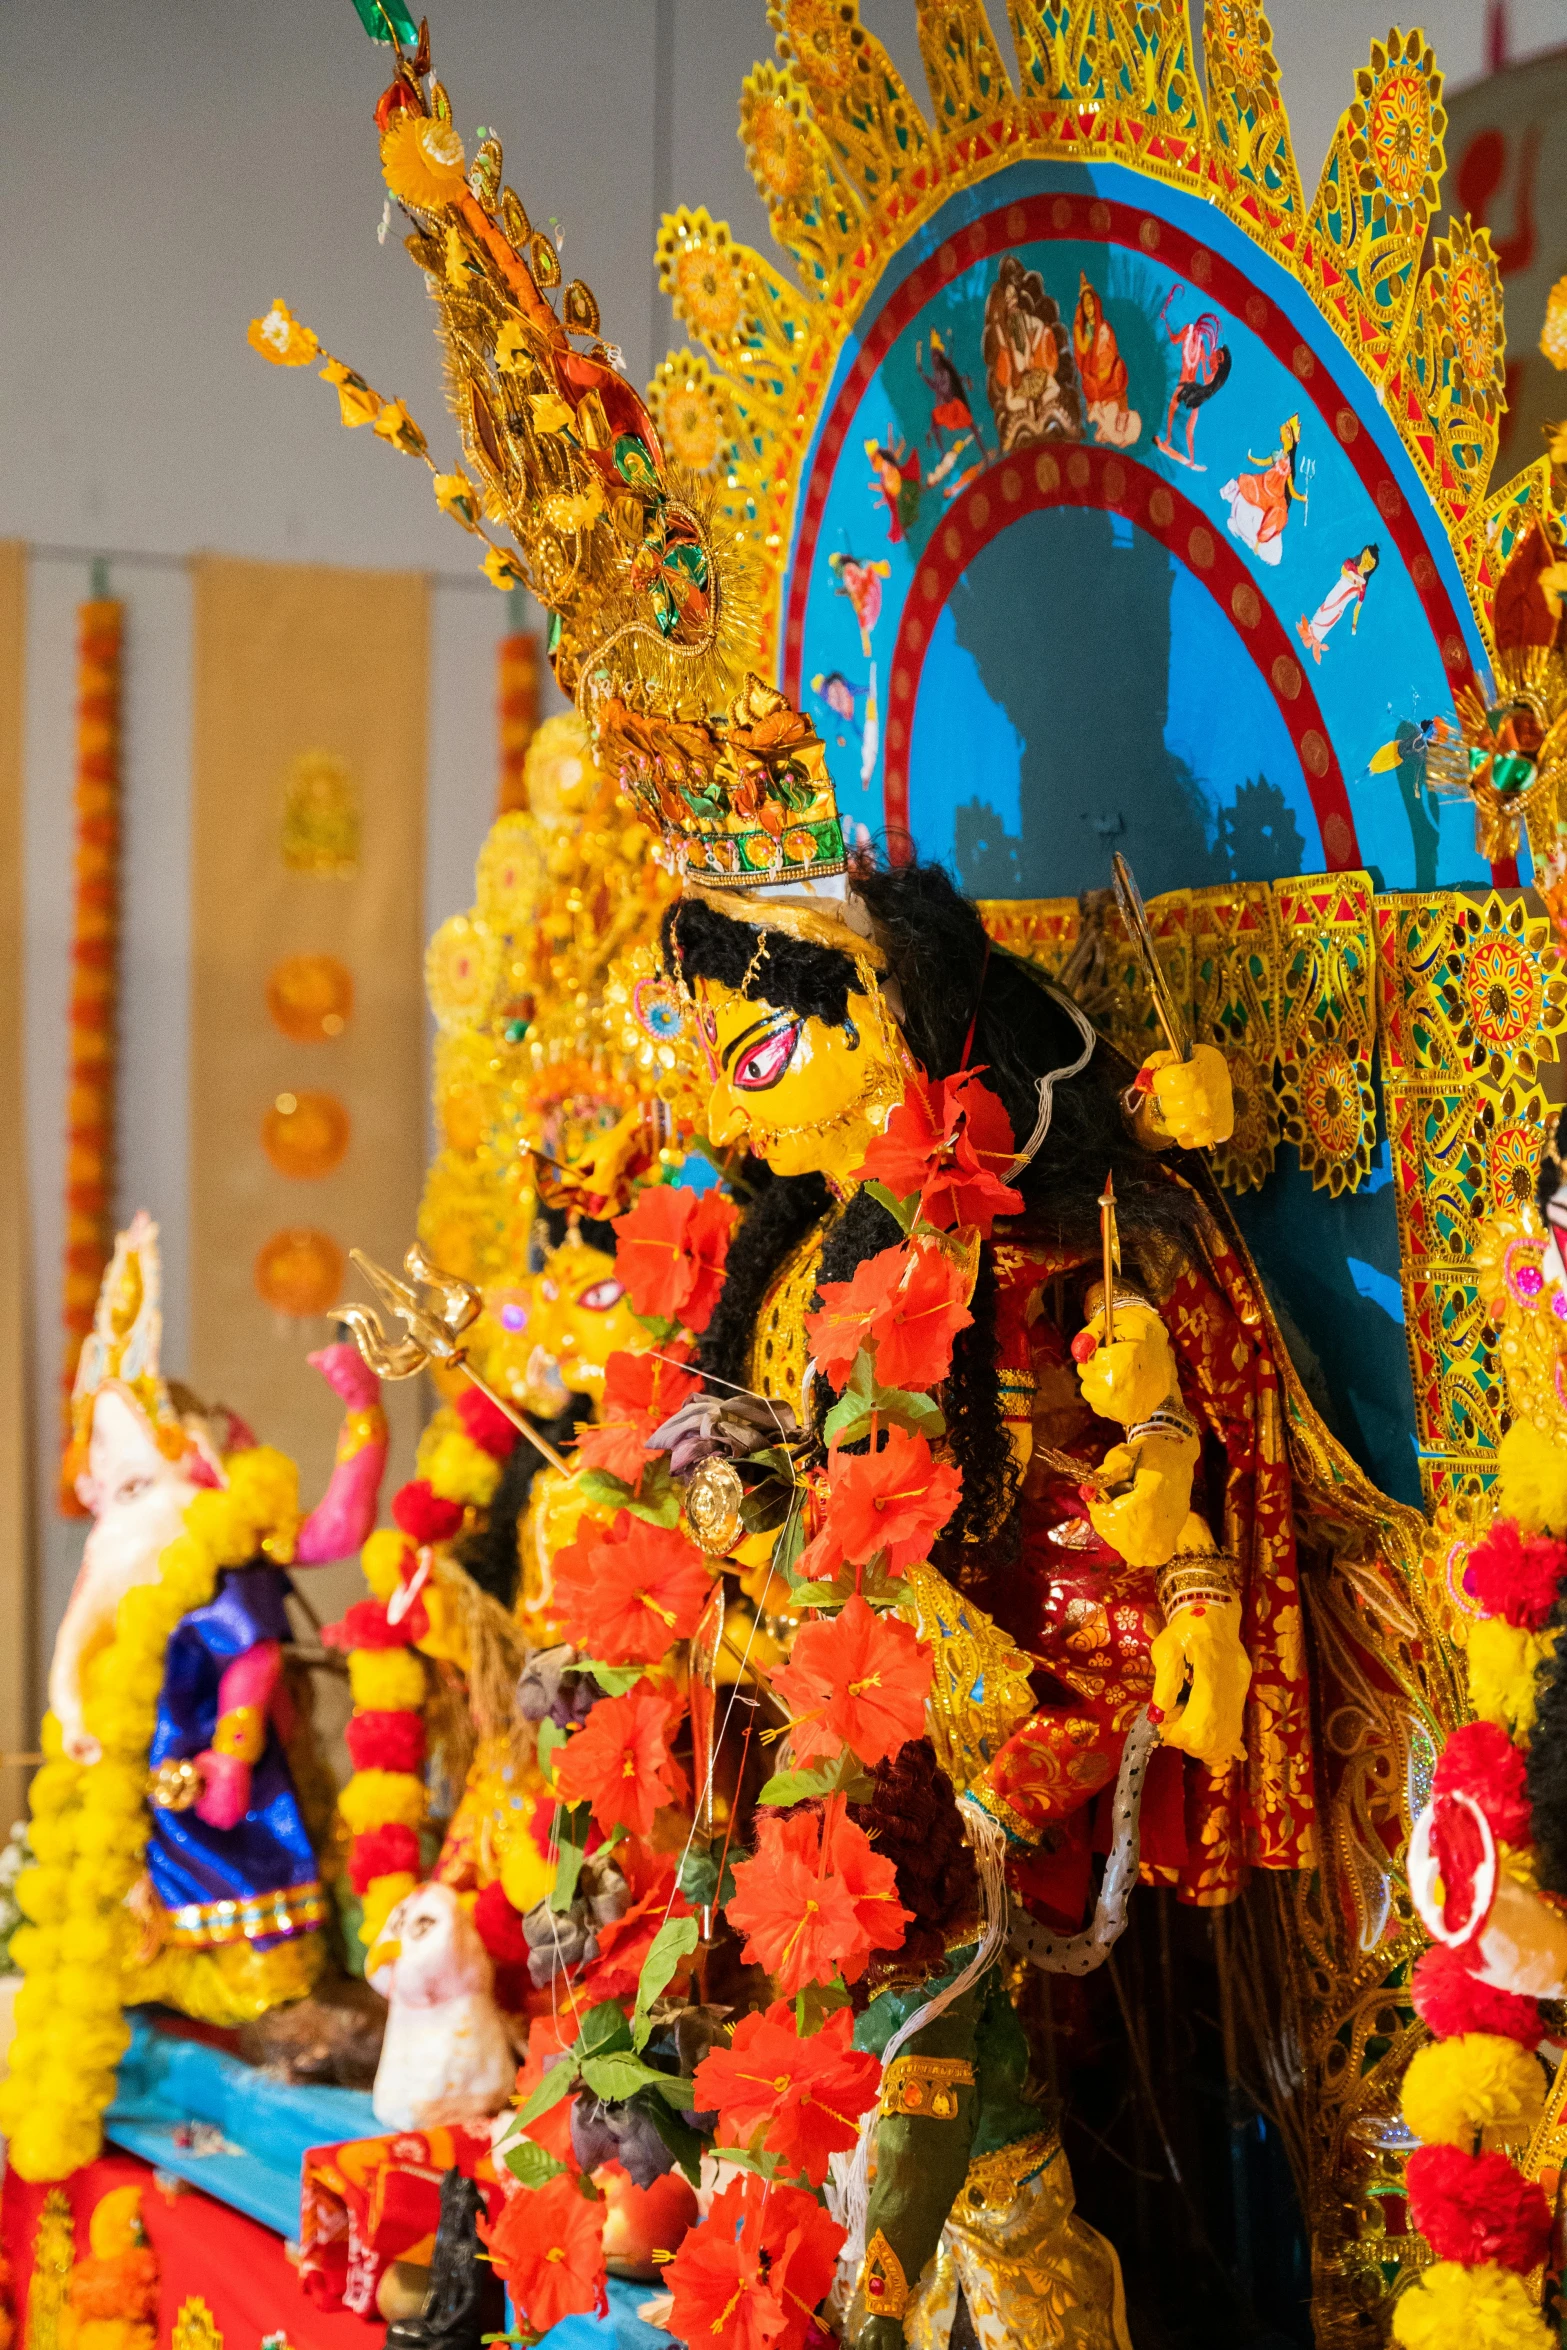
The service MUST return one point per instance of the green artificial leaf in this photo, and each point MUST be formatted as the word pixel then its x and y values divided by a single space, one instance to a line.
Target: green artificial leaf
pixel 698 1879
pixel 557 2083
pixel 382 18
pixel 699 1882
pixel 676 1939
pixel 684 2143
pixel 571 1835
pixel 548 1740
pixel 850 1417
pixel 844 1775
pixel 765 2165
pixel 790 1543
pixel 873 1583
pixel 530 2164
pixel 904 1212
pixel 605 2030
pixel 816 2003
pixel 614 1680
pixel 619 2076
pixel 766 1504
pixel 662 1329
pixel 658 1500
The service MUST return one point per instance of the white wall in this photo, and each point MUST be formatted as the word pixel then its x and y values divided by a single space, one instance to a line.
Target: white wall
pixel 166 168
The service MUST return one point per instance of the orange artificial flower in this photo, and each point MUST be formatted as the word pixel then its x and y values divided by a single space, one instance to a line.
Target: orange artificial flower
pixel 870 1882
pixel 806 2095
pixel 914 1330
pixel 549 2036
pixel 897 1500
pixel 814 1903
pixel 840 1327
pixel 670 1251
pixel 752 2273
pixel 952 1142
pixel 624 1943
pixel 627 1595
pixel 620 1763
pixel 856 1679
pixel 641 1391
pixel 974 1190
pixel 548 2248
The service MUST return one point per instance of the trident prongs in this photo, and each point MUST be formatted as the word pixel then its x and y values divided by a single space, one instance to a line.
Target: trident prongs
pixel 434 1333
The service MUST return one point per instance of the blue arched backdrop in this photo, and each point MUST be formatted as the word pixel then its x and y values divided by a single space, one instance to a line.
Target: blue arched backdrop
pixel 1080 563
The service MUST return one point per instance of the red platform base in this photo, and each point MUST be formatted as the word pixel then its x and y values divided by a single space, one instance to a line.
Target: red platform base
pixel 236 2266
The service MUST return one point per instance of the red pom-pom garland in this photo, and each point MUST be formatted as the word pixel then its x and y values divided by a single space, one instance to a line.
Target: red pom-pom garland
pixel 1475 2208
pixel 1481 1761
pixel 385 1741
pixel 486 1425
pixel 382 1852
pixel 1516 1575
pixel 421 1512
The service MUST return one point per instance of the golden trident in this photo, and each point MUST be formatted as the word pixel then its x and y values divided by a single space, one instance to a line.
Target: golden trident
pixel 434 1331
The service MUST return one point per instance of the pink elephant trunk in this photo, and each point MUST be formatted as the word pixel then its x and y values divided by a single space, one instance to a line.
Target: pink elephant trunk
pixel 344 1517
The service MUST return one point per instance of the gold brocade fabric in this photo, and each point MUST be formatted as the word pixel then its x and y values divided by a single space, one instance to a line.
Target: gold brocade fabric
pixel 779 1352
pixel 229 1985
pixel 1032 2272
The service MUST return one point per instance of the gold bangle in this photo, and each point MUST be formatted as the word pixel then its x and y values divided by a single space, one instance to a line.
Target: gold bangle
pixel 882 2281
pixel 1195 1578
pixel 926 2086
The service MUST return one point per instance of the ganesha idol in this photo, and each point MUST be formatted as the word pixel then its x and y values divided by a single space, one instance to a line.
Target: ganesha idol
pixel 231 1903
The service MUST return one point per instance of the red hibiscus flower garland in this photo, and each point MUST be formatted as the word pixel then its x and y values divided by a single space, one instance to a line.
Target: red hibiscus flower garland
pixel 815 1904
pixel 1487 2225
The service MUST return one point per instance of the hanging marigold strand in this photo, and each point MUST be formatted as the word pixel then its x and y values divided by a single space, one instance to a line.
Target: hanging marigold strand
pixel 90 1135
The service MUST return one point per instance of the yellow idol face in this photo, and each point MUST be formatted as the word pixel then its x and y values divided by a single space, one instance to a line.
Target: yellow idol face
pixel 582 1315
pixel 802 1094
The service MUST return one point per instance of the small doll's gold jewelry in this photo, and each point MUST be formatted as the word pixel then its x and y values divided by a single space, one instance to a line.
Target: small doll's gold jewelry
pixel 882 2281
pixel 926 2086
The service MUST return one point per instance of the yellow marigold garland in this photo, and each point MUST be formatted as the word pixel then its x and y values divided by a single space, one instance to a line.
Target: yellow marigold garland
pixel 90 1829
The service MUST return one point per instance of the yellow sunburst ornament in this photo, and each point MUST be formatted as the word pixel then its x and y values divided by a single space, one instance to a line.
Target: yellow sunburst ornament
pixel 423 163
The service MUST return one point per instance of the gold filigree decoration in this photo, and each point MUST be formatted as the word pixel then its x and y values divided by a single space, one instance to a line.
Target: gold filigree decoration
pixel 1327 1026
pixel 1379 188
pixel 1472 1003
pixel 979 1690
pixel 1246 118
pixel 195 2327
pixel 1235 991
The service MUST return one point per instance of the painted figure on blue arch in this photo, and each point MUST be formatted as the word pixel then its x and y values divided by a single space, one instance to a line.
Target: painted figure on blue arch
pixel 1102 371
pixel 1029 370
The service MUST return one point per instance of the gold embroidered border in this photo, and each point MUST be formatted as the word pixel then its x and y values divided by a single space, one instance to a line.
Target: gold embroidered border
pixel 210 1924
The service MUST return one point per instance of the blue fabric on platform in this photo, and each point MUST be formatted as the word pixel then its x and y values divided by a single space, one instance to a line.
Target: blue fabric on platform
pixel 188 1861
pixel 622 2329
pixel 164 2082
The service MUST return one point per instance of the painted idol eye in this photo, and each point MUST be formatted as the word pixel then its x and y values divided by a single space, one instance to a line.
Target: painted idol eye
pixel 763 1063
pixel 601 1296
